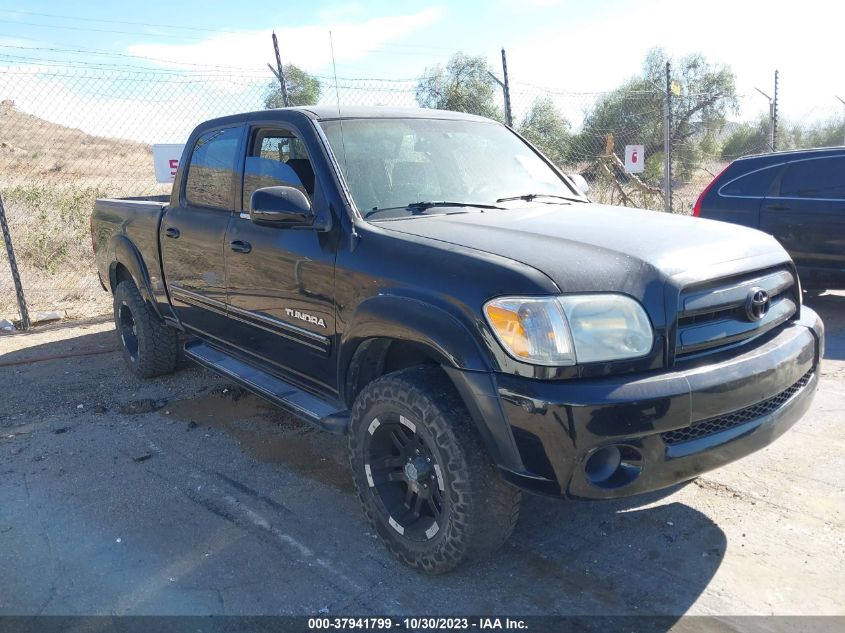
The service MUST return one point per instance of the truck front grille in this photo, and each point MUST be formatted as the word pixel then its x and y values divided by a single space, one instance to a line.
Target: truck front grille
pixel 720 313
pixel 721 423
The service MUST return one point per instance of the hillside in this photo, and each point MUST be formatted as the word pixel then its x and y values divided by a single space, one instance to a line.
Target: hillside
pixel 50 176
pixel 35 151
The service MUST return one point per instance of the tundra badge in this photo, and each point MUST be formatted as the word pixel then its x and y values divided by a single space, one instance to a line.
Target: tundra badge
pixel 302 316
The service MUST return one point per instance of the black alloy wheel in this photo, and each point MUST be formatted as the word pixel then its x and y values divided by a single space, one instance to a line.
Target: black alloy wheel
pixel 406 477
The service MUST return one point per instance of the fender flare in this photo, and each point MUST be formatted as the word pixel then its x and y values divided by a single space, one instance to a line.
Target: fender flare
pixel 453 345
pixel 412 320
pixel 126 254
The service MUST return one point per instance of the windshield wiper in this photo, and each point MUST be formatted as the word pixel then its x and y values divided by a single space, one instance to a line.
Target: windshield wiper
pixel 421 207
pixel 528 197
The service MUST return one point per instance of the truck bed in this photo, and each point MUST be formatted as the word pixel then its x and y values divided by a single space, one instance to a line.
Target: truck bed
pixel 132 224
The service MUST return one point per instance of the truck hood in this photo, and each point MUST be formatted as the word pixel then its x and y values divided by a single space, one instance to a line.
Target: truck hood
pixel 593 247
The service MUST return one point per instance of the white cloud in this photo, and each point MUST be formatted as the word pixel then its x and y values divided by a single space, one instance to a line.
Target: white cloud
pixel 306 46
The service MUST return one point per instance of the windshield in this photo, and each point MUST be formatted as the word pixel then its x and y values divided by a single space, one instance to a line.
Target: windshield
pixel 396 165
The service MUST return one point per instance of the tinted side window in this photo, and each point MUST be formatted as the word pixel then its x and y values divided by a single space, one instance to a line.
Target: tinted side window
pixel 276 158
pixel 814 178
pixel 756 184
pixel 211 173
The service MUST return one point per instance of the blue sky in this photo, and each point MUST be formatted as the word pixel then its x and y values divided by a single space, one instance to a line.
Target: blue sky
pixel 562 45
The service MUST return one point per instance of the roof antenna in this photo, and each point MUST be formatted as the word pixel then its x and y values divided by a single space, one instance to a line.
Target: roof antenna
pixel 337 98
pixel 342 141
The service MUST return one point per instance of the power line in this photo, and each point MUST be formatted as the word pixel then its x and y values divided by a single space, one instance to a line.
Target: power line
pixel 116 68
pixel 175 27
pixel 93 30
pixel 94 51
pixel 105 21
pixel 215 71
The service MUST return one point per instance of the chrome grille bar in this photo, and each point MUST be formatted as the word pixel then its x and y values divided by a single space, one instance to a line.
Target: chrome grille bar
pixel 715 316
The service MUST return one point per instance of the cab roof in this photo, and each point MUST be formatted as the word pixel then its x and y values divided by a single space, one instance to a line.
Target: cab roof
pixel 330 113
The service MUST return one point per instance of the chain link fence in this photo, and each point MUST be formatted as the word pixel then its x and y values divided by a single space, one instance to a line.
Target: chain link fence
pixel 71 133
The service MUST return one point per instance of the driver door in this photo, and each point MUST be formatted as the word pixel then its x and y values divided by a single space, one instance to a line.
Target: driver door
pixel 281 280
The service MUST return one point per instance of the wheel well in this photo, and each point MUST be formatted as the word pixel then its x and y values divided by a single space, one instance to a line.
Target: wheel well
pixel 379 356
pixel 120 273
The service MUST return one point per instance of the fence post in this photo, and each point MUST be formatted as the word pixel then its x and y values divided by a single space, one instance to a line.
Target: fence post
pixel 13 265
pixel 775 116
pixel 667 142
pixel 506 87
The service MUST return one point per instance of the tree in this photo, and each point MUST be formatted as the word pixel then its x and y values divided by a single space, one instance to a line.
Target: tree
pixel 827 133
pixel 748 138
pixel 703 94
pixel 465 85
pixel 303 89
pixel 754 137
pixel 546 128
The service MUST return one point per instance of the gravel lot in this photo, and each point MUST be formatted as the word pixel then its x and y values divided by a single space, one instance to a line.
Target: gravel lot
pixel 184 495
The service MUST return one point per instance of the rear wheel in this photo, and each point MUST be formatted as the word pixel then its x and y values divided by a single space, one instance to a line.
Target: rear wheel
pixel 425 481
pixel 149 347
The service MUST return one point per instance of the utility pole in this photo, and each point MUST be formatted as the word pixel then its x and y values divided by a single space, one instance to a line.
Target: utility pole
pixel 506 90
pixel 775 116
pixel 771 119
pixel 280 71
pixel 667 141
pixel 842 101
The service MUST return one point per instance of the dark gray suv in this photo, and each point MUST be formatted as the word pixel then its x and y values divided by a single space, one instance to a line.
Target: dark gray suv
pixel 798 197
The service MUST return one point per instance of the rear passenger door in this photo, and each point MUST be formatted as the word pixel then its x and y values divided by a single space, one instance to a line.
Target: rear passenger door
pixel 281 280
pixel 806 213
pixel 192 232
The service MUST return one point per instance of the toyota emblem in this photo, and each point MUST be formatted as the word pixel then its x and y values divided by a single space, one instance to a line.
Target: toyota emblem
pixel 757 304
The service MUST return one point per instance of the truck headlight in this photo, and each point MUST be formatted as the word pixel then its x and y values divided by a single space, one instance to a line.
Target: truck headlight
pixel 570 329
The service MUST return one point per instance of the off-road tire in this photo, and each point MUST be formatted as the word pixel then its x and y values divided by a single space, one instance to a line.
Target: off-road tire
pixel 156 346
pixel 483 508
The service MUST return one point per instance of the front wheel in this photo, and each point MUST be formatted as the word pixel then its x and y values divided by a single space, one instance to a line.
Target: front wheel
pixel 426 483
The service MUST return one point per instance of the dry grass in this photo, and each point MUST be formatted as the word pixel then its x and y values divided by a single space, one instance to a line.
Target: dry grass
pixel 50 176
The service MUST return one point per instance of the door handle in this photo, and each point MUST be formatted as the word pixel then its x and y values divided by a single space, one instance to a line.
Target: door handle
pixel 172 231
pixel 239 246
pixel 778 206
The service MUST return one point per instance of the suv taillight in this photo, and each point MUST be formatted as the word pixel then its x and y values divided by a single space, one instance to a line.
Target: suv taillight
pixel 696 209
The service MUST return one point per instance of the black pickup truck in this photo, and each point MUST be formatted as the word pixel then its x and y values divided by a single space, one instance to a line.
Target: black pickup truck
pixel 430 285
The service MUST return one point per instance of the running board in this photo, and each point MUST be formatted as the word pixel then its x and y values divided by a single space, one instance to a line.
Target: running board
pixel 284 395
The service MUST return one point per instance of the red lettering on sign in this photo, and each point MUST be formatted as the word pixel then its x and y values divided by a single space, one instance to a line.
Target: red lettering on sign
pixel 174 165
pixel 633 156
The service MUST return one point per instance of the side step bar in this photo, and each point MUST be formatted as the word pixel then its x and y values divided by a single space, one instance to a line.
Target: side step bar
pixel 284 395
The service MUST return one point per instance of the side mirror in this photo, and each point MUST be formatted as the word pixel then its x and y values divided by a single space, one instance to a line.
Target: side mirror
pixel 580 182
pixel 280 206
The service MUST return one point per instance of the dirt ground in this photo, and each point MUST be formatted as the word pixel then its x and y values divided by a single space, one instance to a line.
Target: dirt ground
pixel 185 495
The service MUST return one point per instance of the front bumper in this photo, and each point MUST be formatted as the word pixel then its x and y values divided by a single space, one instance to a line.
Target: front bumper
pixel 662 429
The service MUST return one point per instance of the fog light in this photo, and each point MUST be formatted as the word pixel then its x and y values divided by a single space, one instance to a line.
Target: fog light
pixel 613 466
pixel 602 464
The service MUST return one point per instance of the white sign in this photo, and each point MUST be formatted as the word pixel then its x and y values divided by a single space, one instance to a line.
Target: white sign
pixel 634 159
pixel 166 160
